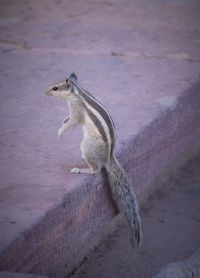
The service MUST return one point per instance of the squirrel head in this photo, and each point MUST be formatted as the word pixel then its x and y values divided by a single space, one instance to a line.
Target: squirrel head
pixel 64 89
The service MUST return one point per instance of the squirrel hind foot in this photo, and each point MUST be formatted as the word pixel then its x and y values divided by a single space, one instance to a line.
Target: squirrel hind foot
pixel 83 171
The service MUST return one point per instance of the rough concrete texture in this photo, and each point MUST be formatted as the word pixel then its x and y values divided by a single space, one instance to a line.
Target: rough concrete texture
pixel 171 229
pixel 189 268
pixel 4 274
pixel 141 60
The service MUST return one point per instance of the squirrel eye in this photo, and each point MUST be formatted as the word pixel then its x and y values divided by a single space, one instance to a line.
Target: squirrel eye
pixel 66 80
pixel 67 85
pixel 55 88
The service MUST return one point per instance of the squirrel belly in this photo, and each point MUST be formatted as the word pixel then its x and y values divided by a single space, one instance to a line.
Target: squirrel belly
pixel 124 198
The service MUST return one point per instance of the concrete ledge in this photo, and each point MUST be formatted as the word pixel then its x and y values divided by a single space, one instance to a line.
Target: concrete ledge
pixel 68 230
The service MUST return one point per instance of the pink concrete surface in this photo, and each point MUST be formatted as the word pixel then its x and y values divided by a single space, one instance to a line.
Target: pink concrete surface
pixel 141 60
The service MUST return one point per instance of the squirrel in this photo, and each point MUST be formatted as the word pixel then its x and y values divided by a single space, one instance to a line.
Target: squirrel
pixel 97 147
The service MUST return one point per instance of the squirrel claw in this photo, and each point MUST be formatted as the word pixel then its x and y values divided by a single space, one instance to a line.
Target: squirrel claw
pixel 75 170
pixel 60 133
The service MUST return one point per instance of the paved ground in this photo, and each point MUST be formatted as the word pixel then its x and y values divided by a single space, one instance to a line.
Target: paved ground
pixel 171 231
pixel 139 58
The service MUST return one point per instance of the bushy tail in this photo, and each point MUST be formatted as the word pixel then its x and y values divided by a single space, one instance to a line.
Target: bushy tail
pixel 124 197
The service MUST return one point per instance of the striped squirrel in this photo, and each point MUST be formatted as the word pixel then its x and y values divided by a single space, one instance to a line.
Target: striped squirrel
pixel 97 147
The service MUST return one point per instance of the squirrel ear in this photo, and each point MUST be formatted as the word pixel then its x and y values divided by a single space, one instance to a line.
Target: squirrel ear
pixel 73 76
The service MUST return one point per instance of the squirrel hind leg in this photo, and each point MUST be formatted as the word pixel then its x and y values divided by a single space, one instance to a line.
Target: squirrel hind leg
pixel 95 153
pixel 93 167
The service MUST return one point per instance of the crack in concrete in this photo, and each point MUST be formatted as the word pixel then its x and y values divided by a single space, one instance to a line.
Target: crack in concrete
pixel 16 46
pixel 133 54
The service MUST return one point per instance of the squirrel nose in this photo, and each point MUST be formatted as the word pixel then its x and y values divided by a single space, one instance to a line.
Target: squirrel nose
pixel 48 93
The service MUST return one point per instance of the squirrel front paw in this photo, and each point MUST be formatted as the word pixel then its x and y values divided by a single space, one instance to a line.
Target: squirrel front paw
pixel 60 132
